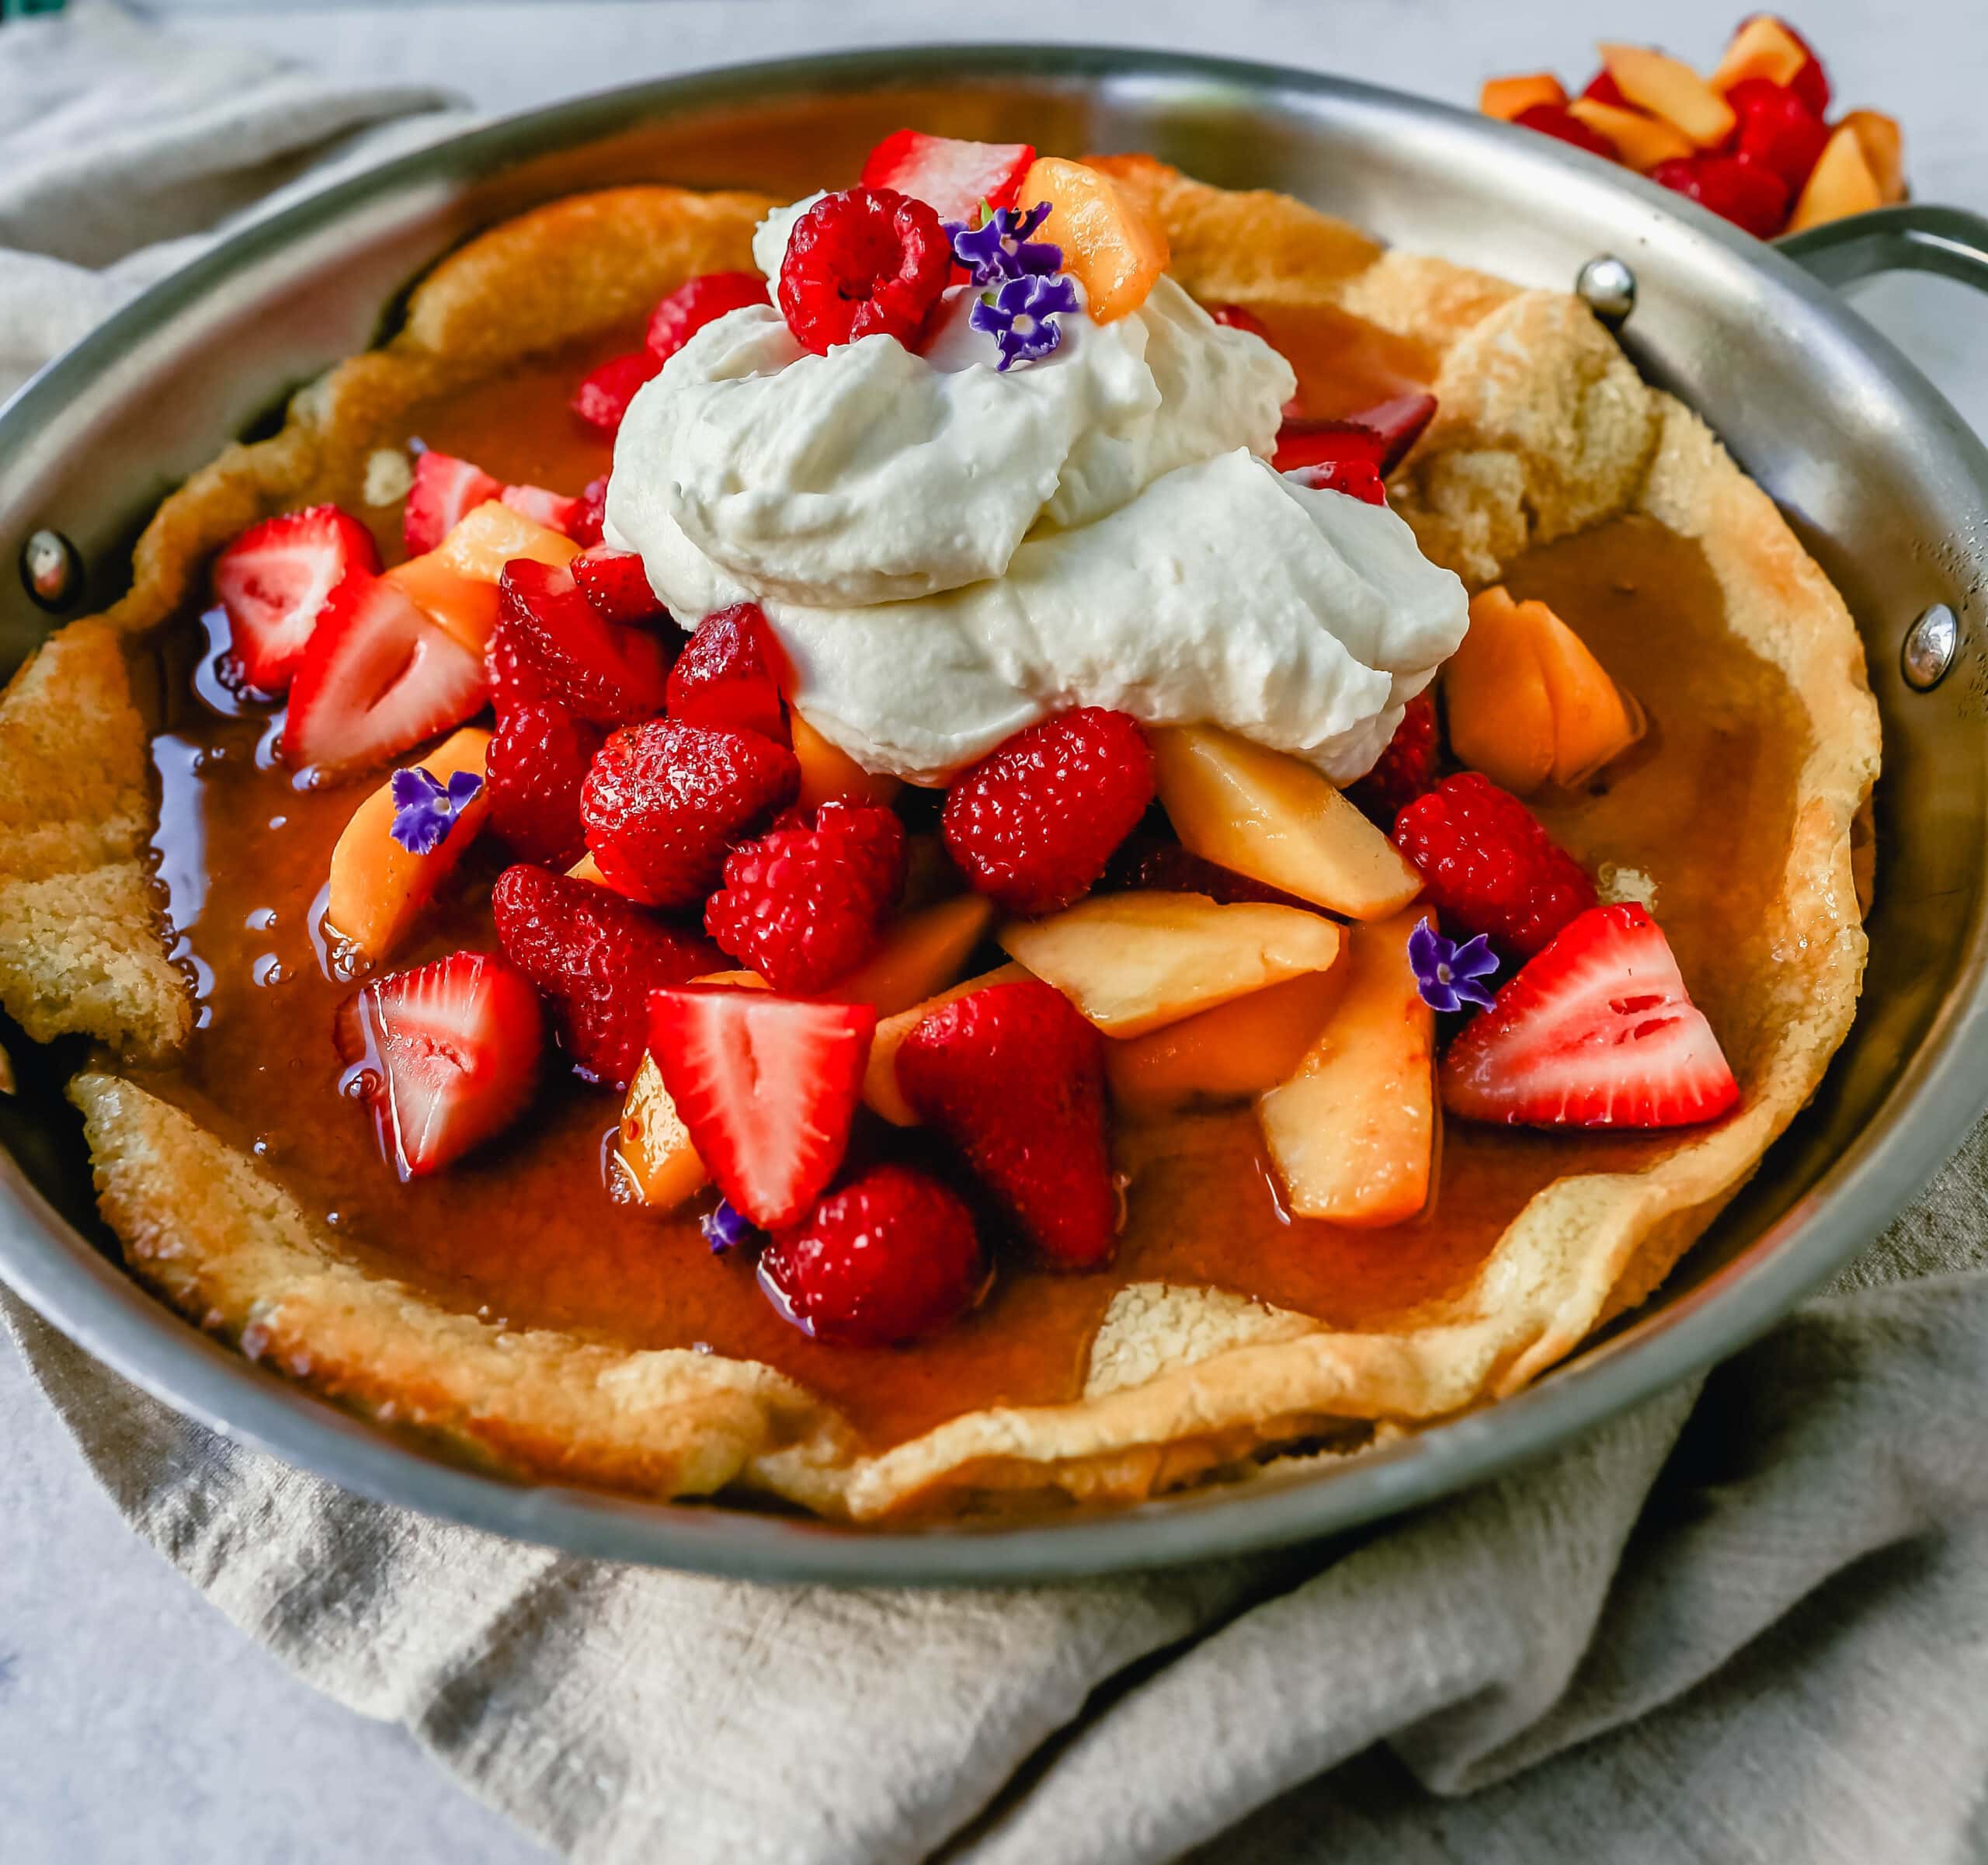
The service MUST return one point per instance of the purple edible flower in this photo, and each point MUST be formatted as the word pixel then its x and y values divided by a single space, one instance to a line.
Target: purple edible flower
pixel 999 249
pixel 725 1229
pixel 1022 318
pixel 425 809
pixel 1447 974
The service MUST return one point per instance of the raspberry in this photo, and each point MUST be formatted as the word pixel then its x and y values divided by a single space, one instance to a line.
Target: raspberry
pixel 804 906
pixel 664 802
pixel 597 957
pixel 537 760
pixel 1405 771
pixel 1015 1078
pixel 1034 822
pixel 594 668
pixel 891 1256
pixel 729 675
pixel 1748 193
pixel 1488 866
pixel 592 513
pixel 602 396
pixel 696 302
pixel 617 586
pixel 866 260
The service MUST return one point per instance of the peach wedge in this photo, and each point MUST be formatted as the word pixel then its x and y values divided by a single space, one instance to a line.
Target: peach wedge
pixel 1274 818
pixel 1232 1053
pixel 1111 246
pixel 1668 87
pixel 1840 184
pixel 1352 1132
pixel 1131 962
pixel 466 606
pixel 378 887
pixel 920 954
pixel 484 540
pixel 827 770
pixel 1507 98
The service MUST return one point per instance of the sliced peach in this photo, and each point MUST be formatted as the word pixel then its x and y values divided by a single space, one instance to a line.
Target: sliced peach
pixel 378 887
pixel 1275 819
pixel 1228 1053
pixel 466 606
pixel 1762 48
pixel 1132 962
pixel 585 869
pixel 1112 246
pixel 1505 98
pixel 1352 1132
pixel 827 770
pixel 653 1146
pixel 485 540
pixel 922 952
pixel 1526 701
pixel 1639 140
pixel 880 1092
pixel 1840 183
pixel 1667 87
pixel 1495 701
pixel 1883 144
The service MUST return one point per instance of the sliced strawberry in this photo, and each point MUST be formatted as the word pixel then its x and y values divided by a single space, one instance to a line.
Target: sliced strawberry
pixel 445 490
pixel 456 1045
pixel 699 301
pixel 767 1086
pixel 1556 120
pixel 1379 437
pixel 948 174
pixel 273 581
pixel 1776 129
pixel 554 510
pixel 1354 478
pixel 594 668
pixel 616 585
pixel 1603 88
pixel 378 677
pixel 602 397
pixel 1598 1031
pixel 729 675
pixel 592 514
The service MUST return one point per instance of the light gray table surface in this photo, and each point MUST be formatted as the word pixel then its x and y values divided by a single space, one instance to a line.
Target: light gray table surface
pixel 136 1725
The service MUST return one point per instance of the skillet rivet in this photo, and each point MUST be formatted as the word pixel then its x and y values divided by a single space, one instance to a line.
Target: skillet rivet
pixel 1607 287
pixel 1930 646
pixel 51 570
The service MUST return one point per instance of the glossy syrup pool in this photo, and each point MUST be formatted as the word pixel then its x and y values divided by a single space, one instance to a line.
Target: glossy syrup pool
pixel 526 1233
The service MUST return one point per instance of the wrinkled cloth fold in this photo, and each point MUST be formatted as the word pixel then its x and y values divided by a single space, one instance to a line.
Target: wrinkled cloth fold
pixel 1748 1620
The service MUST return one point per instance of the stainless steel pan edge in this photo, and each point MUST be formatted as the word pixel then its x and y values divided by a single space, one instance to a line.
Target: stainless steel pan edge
pixel 1885 482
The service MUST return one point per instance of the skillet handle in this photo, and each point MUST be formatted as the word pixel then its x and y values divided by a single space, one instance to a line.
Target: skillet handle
pixel 1911 237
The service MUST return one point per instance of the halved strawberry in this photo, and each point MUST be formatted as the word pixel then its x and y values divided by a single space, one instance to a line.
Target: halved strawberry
pixel 616 583
pixel 602 397
pixel 555 510
pixel 1597 1031
pixel 457 1045
pixel 273 581
pixel 767 1086
pixel 947 173
pixel 1379 437
pixel 594 668
pixel 445 489
pixel 378 677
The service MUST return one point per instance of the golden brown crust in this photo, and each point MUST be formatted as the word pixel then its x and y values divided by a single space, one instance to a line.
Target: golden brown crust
pixel 1544 428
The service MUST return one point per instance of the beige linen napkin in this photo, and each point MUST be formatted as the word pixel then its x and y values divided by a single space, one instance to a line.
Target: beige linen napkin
pixel 1747 1622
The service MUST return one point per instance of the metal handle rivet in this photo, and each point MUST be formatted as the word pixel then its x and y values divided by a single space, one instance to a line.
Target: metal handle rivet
pixel 51 570
pixel 1607 287
pixel 1929 649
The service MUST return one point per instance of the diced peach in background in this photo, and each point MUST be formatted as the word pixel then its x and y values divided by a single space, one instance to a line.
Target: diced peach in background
pixel 1668 87
pixel 1505 98
pixel 1841 184
pixel 1641 141
pixel 1883 145
pixel 1761 48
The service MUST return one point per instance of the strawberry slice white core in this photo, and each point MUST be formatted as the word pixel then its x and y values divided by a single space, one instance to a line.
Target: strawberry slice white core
pixel 274 580
pixel 952 176
pixel 1597 1031
pixel 767 1086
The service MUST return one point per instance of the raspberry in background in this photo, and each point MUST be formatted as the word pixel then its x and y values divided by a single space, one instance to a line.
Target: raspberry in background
pixel 864 262
pixel 1014 1077
pixel 664 802
pixel 597 958
pixel 888 1257
pixel 805 904
pixel 602 396
pixel 1488 864
pixel 699 301
pixel 1032 824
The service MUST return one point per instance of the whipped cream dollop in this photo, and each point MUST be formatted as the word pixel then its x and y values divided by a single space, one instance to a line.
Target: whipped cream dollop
pixel 949 552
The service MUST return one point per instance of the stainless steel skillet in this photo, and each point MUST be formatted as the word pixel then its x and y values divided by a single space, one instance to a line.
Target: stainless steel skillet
pixel 1881 478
